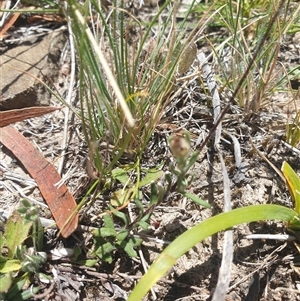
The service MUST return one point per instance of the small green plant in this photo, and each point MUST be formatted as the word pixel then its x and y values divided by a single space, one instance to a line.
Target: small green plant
pixel 180 147
pixel 107 239
pixel 19 261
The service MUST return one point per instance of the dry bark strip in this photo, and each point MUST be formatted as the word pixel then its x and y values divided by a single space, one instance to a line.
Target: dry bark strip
pixel 60 201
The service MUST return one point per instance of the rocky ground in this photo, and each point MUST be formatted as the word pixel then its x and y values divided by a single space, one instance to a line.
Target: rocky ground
pixel 261 269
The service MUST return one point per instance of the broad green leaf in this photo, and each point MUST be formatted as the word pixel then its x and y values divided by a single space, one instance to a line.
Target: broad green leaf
pixel 121 196
pixel 108 221
pixel 27 294
pixel 139 204
pixel 293 183
pixel 77 253
pixel 144 225
pixel 105 232
pixel 157 193
pixel 154 197
pixel 17 229
pixel 22 210
pixel 5 282
pixel 120 215
pixel 16 288
pixel 196 199
pixel 150 177
pixel 135 241
pixel 122 235
pixel 104 252
pixel 121 175
pixel 129 244
pixel 9 265
pixel 87 262
pixel 130 250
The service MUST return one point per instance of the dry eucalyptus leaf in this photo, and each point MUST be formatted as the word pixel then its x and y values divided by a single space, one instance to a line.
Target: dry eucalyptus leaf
pixel 60 201
pixel 12 116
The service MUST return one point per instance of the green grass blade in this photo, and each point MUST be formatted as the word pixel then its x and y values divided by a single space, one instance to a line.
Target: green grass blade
pixel 191 237
pixel 196 199
pixel 293 183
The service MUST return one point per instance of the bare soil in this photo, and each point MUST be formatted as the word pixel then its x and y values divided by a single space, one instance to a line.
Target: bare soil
pixel 261 269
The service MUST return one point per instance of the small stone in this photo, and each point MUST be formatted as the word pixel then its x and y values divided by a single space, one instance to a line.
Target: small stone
pixel 22 69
